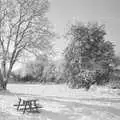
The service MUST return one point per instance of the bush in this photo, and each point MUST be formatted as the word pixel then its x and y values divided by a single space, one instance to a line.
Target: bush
pixel 102 77
pixel 83 80
pixel 19 78
pixel 27 78
pixel 114 81
pixel 114 84
pixel 15 77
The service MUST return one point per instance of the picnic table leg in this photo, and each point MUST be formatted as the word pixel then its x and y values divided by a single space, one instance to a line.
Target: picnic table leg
pixel 35 105
pixel 30 106
pixel 25 107
pixel 19 104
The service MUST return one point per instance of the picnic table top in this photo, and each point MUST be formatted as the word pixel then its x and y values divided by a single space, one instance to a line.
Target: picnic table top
pixel 29 98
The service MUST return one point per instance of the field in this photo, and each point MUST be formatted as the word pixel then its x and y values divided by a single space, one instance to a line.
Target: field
pixel 61 103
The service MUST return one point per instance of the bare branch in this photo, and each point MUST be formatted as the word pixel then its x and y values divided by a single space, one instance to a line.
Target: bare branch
pixel 9 40
pixel 2 44
pixel 3 15
pixel 23 33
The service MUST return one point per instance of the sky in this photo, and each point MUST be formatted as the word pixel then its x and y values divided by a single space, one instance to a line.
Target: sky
pixel 105 12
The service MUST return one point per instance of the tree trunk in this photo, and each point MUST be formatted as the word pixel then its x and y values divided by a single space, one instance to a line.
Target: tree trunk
pixel 3 81
pixel 3 75
pixel 4 85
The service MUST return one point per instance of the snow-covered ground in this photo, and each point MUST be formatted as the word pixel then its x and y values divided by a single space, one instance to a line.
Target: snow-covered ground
pixel 61 103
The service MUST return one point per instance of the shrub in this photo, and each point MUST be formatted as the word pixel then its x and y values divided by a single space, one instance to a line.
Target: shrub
pixel 15 77
pixel 27 78
pixel 114 84
pixel 84 79
pixel 114 81
pixel 102 77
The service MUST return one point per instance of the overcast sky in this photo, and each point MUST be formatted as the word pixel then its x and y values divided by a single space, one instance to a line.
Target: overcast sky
pixel 103 11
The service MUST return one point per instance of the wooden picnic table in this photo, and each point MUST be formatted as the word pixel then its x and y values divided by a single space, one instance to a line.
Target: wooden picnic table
pixel 27 104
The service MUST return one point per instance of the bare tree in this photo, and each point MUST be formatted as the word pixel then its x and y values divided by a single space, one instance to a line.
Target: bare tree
pixel 23 27
pixel 37 66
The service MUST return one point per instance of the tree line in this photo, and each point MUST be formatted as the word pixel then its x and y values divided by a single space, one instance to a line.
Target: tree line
pixel 25 29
